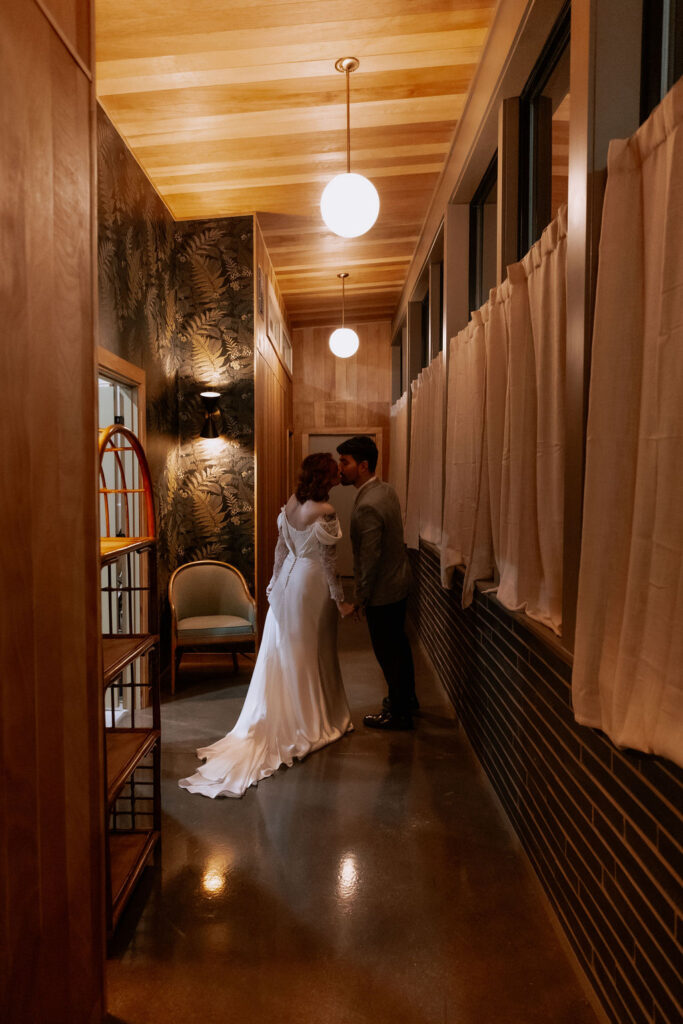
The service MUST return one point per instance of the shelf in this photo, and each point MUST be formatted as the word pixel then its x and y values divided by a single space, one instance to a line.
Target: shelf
pixel 119 651
pixel 112 548
pixel 128 855
pixel 129 586
pixel 125 749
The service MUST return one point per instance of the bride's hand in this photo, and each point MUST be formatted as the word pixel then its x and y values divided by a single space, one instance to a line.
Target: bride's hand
pixel 345 608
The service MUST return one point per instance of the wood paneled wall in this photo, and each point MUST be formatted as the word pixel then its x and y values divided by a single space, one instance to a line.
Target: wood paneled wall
pixel 338 393
pixel 273 422
pixel 51 816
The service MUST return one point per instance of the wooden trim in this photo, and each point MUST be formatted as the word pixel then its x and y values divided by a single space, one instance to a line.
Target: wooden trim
pixel 64 39
pixel 127 373
pixel 377 432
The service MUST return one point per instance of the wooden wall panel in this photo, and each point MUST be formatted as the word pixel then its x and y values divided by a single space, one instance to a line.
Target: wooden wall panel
pixel 72 20
pixel 51 817
pixel 338 393
pixel 273 421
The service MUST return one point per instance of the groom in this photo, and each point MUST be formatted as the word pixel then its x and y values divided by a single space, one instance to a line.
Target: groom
pixel 382 578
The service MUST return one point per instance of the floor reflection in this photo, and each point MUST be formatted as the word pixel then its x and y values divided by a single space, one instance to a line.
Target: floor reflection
pixel 375 882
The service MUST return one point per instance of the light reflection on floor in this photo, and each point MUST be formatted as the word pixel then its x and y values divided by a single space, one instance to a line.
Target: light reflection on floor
pixel 376 881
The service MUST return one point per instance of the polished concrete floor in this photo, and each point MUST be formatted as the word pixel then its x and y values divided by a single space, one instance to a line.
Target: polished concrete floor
pixel 377 881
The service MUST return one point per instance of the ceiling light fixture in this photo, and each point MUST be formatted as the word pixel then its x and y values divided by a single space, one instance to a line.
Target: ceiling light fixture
pixel 343 342
pixel 350 203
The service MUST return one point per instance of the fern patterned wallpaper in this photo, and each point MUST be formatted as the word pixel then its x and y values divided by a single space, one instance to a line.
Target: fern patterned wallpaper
pixel 177 300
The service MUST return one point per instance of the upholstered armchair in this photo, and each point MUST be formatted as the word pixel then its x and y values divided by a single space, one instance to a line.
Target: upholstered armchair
pixel 211 609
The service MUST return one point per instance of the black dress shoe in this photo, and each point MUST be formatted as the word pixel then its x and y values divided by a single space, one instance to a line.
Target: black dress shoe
pixel 413 704
pixel 386 720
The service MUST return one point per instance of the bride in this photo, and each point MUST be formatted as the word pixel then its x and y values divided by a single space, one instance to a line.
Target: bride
pixel 296 701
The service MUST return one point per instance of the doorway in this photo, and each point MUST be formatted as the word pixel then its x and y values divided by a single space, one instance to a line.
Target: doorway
pixel 342 498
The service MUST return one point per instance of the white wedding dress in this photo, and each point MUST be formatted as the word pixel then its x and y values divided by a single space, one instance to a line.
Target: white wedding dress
pixel 296 701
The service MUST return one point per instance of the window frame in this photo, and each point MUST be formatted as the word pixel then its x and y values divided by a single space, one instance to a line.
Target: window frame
pixel 535 137
pixel 488 183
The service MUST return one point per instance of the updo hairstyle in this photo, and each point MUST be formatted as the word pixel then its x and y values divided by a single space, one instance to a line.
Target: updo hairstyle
pixel 314 478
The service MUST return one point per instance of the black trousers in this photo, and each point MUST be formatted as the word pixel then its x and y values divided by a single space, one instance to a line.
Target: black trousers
pixel 386 623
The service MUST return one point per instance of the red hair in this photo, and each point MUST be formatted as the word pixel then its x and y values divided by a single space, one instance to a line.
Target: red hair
pixel 315 476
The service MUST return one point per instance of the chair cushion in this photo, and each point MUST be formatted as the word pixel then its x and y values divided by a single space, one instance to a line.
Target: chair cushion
pixel 214 625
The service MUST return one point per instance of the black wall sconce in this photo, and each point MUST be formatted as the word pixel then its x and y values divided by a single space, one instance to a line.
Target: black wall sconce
pixel 212 418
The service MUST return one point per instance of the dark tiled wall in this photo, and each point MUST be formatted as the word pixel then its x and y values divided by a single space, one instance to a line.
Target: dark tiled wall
pixel 602 827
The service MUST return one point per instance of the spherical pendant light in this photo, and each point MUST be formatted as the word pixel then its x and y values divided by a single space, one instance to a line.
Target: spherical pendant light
pixel 343 341
pixel 349 204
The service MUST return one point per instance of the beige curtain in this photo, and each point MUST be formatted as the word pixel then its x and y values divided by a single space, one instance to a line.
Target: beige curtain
pixel 425 486
pixel 530 527
pixel 432 451
pixel 495 316
pixel 398 462
pixel 504 491
pixel 466 533
pixel 628 675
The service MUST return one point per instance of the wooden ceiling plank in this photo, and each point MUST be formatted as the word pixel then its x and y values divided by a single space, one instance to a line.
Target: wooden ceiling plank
pixel 114 80
pixel 331 118
pixel 207 183
pixel 329 161
pixel 126 15
pixel 137 40
pixel 287 94
pixel 310 144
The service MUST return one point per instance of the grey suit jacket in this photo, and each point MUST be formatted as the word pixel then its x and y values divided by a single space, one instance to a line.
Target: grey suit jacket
pixel 380 564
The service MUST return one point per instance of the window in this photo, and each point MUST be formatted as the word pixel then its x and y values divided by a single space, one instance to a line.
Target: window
pixel 483 237
pixel 662 51
pixel 424 335
pixel 397 367
pixel 544 137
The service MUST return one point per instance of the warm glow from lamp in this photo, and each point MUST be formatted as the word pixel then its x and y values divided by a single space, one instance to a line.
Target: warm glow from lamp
pixel 213 882
pixel 349 205
pixel 344 342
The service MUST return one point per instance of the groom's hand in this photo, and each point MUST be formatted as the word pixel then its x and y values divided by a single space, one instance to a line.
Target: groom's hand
pixel 358 613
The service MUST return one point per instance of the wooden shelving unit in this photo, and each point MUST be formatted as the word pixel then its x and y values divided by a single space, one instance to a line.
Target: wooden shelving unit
pixel 120 651
pixel 130 665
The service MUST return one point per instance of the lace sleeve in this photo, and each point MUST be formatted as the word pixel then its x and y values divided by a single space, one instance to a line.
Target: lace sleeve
pixel 328 557
pixel 281 551
pixel 327 533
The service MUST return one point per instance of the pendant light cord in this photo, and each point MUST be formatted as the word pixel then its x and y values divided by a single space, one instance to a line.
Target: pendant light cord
pixel 348 124
pixel 343 303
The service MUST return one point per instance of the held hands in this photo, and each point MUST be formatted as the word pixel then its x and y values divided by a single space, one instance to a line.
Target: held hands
pixel 345 608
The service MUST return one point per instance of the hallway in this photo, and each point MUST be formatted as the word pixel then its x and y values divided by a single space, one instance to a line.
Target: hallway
pixel 377 881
